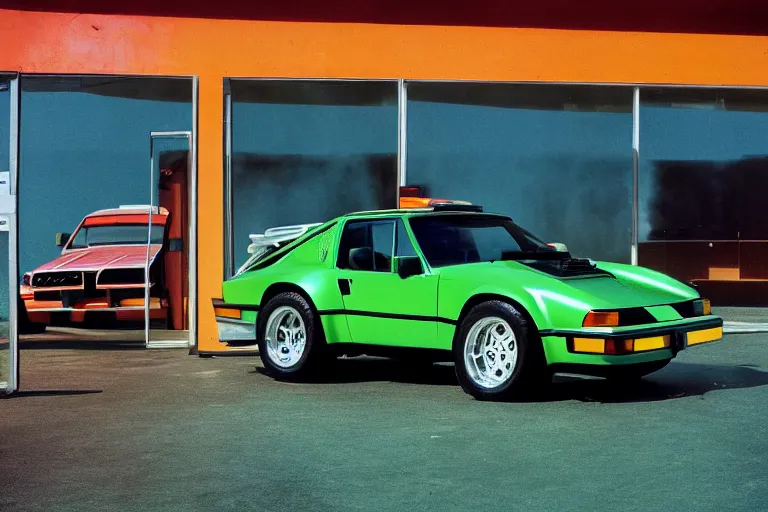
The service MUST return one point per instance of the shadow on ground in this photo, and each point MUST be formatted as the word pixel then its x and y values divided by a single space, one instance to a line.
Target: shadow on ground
pixel 677 380
pixel 52 392
pixel 81 344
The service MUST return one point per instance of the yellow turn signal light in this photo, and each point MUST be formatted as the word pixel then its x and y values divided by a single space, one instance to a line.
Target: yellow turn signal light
pixel 601 319
pixel 227 312
pixel 617 347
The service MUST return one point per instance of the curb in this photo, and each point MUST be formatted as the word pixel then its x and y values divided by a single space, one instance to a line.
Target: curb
pixel 744 327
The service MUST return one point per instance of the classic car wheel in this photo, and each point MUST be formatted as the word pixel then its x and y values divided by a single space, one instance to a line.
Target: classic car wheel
pixel 290 336
pixel 495 355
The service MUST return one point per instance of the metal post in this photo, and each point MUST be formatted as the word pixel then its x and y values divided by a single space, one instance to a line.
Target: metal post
pixel 13 238
pixel 229 242
pixel 635 172
pixel 149 238
pixel 192 264
pixel 192 243
pixel 402 133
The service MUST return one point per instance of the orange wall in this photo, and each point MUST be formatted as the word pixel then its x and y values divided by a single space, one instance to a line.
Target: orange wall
pixel 212 49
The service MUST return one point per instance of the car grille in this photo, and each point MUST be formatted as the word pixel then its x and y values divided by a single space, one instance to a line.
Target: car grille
pixel 57 279
pixel 119 276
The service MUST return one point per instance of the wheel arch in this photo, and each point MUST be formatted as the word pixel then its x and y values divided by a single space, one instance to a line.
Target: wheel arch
pixel 479 298
pixel 282 287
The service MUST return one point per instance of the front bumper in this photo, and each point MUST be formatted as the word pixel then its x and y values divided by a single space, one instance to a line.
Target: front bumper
pixel 640 344
pixel 41 311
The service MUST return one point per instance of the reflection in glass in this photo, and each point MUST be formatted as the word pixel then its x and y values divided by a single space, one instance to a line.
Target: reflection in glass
pixel 168 250
pixel 703 180
pixel 557 159
pixel 306 151
pixel 85 157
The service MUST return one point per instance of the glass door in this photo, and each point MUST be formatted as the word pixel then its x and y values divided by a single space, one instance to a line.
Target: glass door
pixel 9 284
pixel 166 297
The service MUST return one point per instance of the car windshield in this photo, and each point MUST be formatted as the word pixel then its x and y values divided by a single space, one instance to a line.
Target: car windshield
pixel 117 234
pixel 457 239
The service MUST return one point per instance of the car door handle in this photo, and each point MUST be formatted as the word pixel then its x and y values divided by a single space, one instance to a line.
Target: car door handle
pixel 344 286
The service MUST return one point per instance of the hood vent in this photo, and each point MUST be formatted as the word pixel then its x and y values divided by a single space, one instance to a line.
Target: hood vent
pixel 569 267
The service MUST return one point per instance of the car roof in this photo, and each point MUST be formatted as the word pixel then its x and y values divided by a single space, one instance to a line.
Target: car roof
pixel 413 212
pixel 129 210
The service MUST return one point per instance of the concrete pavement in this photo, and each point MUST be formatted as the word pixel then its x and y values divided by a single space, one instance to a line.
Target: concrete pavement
pixel 161 430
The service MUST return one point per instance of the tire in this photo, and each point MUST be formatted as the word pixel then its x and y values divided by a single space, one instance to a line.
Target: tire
pixel 280 359
pixel 633 373
pixel 525 376
pixel 25 325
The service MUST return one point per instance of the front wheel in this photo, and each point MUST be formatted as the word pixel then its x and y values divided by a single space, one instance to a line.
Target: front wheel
pixel 290 336
pixel 496 355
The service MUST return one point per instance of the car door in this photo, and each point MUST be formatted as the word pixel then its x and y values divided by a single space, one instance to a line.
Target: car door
pixel 382 307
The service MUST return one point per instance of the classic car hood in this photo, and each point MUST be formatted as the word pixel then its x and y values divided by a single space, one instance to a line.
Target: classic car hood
pixel 621 285
pixel 97 258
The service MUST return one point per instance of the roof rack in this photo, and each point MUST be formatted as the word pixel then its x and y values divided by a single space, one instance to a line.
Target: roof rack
pixel 453 207
pixel 277 235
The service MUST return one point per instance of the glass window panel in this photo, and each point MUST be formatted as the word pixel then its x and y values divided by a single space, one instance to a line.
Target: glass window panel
pixel 85 147
pixel 703 179
pixel 367 246
pixel 307 151
pixel 556 158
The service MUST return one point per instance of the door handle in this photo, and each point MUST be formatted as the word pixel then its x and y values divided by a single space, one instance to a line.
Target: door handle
pixel 344 286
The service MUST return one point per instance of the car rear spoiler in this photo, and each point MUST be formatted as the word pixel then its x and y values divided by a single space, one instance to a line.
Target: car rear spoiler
pixel 278 235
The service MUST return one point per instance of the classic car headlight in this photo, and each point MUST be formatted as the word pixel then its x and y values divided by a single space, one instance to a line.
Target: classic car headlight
pixel 601 319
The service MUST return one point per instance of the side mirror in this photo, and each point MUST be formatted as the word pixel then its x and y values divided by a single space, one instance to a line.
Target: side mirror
pixel 558 247
pixel 62 239
pixel 408 266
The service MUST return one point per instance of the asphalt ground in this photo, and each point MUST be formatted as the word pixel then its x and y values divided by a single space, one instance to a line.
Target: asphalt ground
pixel 132 429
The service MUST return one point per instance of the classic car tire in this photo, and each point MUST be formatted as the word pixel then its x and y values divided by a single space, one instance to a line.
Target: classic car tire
pixel 528 373
pixel 292 303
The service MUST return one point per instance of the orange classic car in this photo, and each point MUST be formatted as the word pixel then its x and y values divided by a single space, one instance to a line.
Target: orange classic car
pixel 99 278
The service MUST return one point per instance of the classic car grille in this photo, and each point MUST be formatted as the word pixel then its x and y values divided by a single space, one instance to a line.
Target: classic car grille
pixel 47 295
pixel 121 276
pixel 57 279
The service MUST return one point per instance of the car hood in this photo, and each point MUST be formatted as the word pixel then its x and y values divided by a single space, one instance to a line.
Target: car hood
pixel 98 258
pixel 619 286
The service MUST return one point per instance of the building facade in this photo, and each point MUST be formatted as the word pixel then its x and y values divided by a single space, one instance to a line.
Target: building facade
pixel 630 134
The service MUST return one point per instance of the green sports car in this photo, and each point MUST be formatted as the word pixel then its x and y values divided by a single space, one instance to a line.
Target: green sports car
pixel 454 283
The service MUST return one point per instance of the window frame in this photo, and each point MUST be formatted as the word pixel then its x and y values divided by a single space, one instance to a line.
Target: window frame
pixel 369 220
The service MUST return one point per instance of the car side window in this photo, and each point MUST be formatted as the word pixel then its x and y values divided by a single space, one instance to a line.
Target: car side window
pixel 404 247
pixel 367 245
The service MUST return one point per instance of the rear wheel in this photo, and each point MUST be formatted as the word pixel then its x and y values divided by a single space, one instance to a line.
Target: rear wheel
pixel 497 356
pixel 291 340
